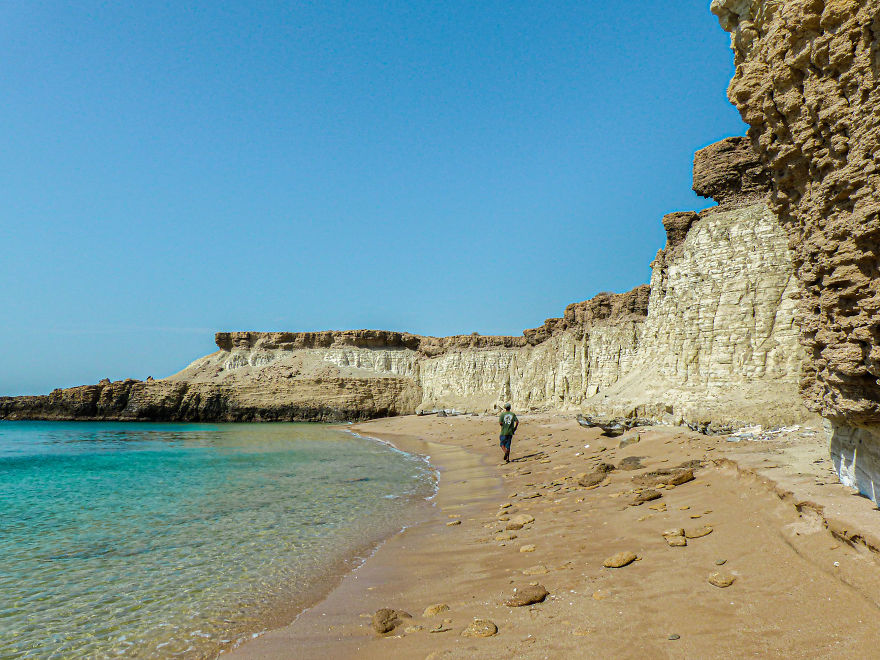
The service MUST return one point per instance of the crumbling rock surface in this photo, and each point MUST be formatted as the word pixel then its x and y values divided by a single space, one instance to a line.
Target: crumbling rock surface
pixel 731 173
pixel 604 307
pixel 806 82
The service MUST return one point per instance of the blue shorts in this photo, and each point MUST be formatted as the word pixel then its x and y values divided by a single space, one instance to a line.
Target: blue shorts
pixel 506 440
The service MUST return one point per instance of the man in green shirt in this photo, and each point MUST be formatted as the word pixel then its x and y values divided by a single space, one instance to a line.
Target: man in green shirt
pixel 509 424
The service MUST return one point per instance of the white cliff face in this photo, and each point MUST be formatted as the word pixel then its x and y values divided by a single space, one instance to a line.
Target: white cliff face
pixel 560 373
pixel 722 310
pixel 715 341
pixel 398 362
pixel 720 341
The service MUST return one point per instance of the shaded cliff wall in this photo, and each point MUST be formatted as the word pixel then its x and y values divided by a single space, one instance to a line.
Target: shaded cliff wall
pixel 806 82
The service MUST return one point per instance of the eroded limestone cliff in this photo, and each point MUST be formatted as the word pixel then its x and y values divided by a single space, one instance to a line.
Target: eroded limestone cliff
pixel 719 344
pixel 806 82
pixel 711 339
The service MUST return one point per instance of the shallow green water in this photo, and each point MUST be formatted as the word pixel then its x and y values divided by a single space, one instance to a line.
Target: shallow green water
pixel 157 540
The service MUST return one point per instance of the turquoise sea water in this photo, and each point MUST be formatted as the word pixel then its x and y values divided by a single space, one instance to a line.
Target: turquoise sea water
pixel 164 540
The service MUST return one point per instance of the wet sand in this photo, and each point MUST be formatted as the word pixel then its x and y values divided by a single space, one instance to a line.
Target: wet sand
pixel 806 584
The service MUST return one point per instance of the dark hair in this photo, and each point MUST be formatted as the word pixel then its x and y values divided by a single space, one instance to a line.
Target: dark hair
pixel 507 406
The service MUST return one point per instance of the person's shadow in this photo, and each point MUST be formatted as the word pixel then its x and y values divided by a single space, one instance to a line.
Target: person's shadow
pixel 526 457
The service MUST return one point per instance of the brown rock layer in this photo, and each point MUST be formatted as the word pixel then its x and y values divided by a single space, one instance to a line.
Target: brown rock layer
pixel 607 307
pixel 731 173
pixel 312 400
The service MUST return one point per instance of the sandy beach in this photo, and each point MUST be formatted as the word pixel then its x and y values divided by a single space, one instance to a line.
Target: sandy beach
pixel 764 513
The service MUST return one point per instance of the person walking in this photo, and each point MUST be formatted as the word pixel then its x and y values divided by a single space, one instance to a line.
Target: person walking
pixel 509 423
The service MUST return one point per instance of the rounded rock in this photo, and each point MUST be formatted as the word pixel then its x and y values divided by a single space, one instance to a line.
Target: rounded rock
pixel 620 559
pixel 480 628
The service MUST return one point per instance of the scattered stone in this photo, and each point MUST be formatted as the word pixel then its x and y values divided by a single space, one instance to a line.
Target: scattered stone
pixel 386 619
pixel 440 628
pixel 668 476
pixel 529 547
pixel 592 480
pixel 453 523
pixel 540 569
pixel 695 516
pixel 628 440
pixel 505 505
pixel 692 464
pixel 480 628
pixel 620 559
pixel 647 495
pixel 527 596
pixel 513 526
pixel 681 477
pixel 674 637
pixel 630 463
pixel 675 531
pixel 523 518
pixel 720 562
pixel 676 541
pixel 505 536
pixel 434 610
pixel 531 496
pixel 413 629
pixel 658 507
pixel 697 532
pixel 721 580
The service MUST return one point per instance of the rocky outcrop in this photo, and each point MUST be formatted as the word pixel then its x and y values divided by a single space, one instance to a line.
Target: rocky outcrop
pixel 731 173
pixel 806 83
pixel 311 399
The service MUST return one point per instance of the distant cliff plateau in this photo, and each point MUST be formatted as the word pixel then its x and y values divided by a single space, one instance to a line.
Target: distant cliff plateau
pixel 712 340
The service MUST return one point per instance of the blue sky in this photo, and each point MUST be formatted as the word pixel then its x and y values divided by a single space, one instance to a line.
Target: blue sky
pixel 173 169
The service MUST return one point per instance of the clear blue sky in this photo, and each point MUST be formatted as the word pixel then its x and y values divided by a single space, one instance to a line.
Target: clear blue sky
pixel 170 169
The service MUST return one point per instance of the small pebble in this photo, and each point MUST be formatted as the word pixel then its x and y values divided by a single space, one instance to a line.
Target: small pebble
pixel 673 637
